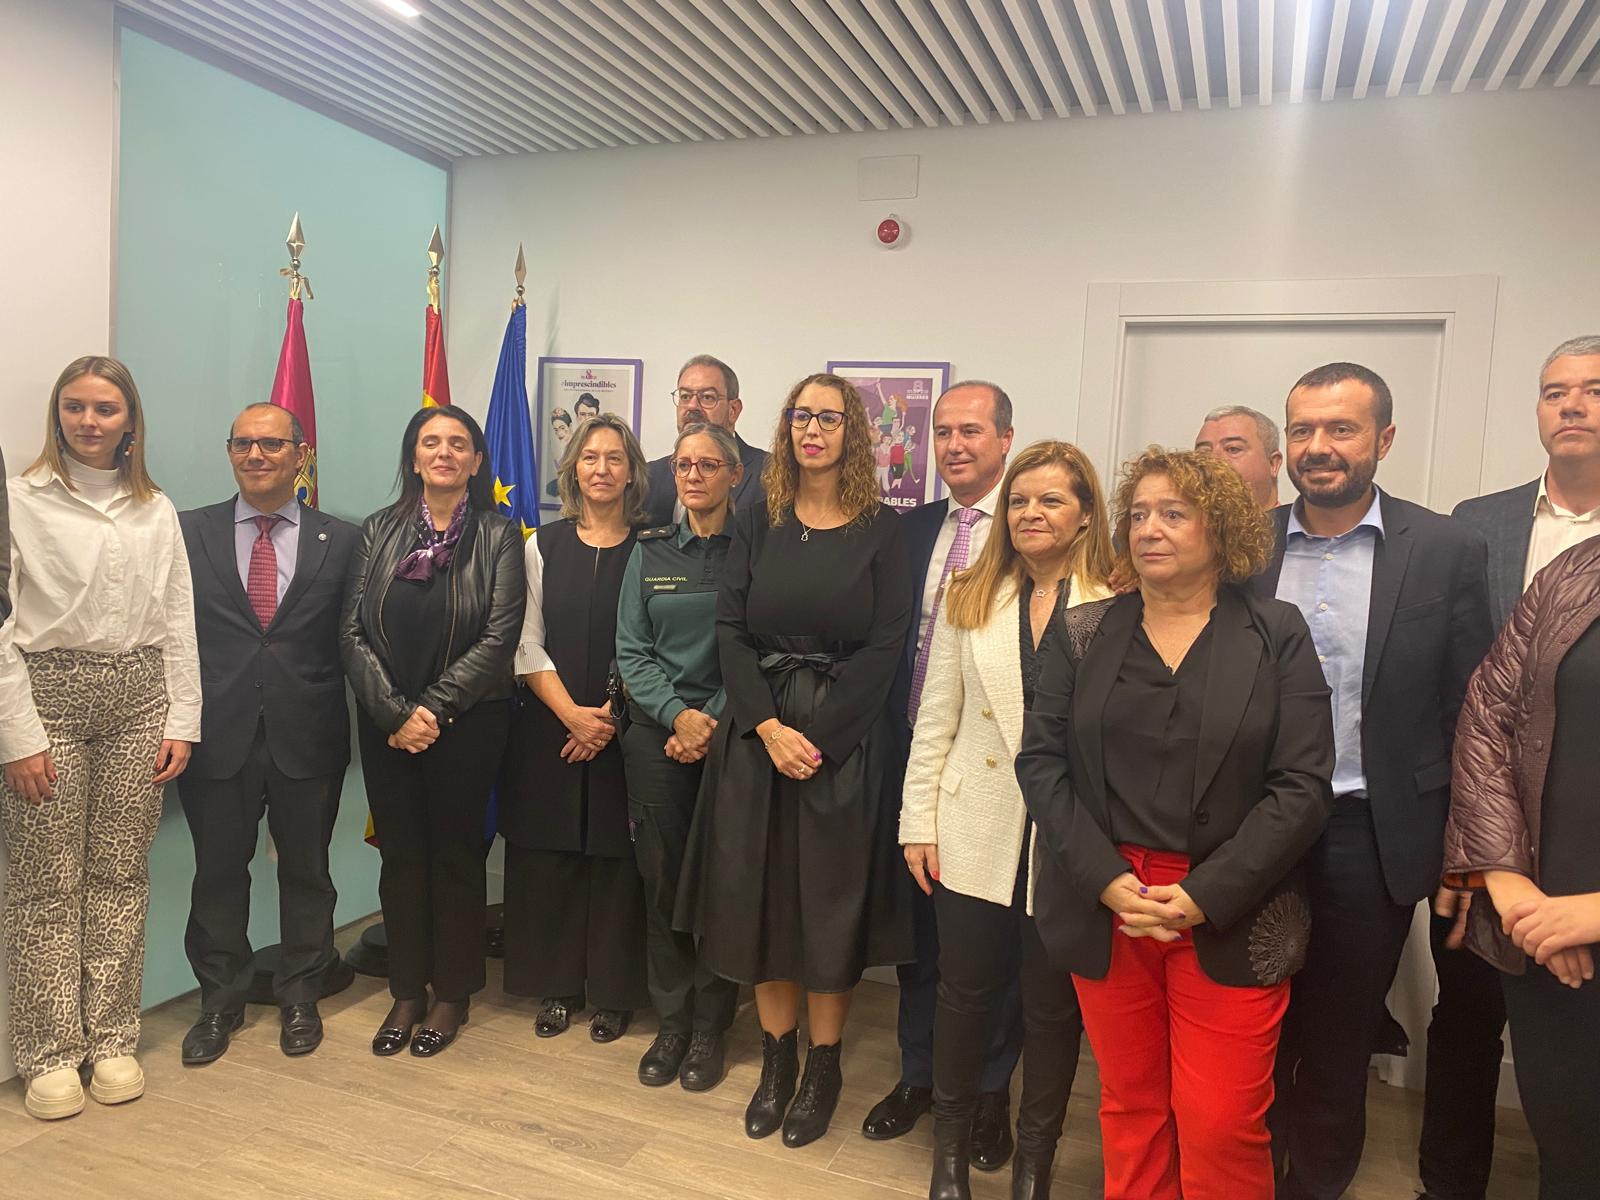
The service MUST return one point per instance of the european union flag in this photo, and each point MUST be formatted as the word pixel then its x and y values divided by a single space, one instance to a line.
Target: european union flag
pixel 509 429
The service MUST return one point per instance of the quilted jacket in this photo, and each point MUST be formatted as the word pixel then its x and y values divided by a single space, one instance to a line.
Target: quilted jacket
pixel 1503 740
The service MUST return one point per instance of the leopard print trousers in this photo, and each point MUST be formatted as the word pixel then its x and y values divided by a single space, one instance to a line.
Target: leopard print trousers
pixel 79 883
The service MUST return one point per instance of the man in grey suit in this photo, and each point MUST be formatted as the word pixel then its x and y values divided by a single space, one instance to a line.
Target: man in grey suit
pixel 707 394
pixel 1526 527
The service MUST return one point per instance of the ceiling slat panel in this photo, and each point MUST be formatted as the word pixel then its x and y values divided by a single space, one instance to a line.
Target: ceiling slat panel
pixel 477 77
pixel 1552 38
pixel 953 15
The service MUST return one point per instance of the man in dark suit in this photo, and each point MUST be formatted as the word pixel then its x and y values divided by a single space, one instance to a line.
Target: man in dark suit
pixel 1397 600
pixel 275 729
pixel 971 437
pixel 1526 527
pixel 707 394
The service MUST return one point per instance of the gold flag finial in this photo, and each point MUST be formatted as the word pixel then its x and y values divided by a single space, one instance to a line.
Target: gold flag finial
pixel 521 272
pixel 296 241
pixel 435 257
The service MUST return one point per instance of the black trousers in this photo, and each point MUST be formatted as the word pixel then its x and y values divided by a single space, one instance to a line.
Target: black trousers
pixel 1464 1055
pixel 919 988
pixel 1319 1116
pixel 428 815
pixel 661 797
pixel 575 927
pixel 985 948
pixel 1555 1039
pixel 224 818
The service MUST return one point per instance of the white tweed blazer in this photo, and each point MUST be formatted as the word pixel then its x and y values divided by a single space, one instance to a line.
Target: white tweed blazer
pixel 961 790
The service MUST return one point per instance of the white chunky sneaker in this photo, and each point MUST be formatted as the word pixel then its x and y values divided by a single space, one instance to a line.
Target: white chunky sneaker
pixel 117 1080
pixel 54 1095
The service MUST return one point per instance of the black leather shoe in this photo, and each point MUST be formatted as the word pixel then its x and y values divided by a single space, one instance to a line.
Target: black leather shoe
pixel 429 1041
pixel 704 1067
pixel 394 1035
pixel 555 1017
pixel 1030 1176
pixel 952 1152
pixel 207 1040
pixel 660 1063
pixel 897 1113
pixel 300 1029
pixel 991 1131
pixel 780 1063
pixel 608 1024
pixel 817 1098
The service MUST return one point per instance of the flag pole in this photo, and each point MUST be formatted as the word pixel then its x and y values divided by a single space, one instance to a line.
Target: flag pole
pixel 521 272
pixel 435 257
pixel 296 242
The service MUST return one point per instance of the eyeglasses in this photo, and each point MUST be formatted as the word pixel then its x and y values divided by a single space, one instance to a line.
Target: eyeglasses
pixel 829 418
pixel 710 468
pixel 239 447
pixel 705 397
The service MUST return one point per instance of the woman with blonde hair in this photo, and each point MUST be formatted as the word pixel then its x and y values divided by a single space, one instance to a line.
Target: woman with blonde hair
pixel 575 917
pixel 963 824
pixel 99 703
pixel 790 880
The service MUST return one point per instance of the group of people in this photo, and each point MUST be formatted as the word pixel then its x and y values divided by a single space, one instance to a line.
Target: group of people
pixel 1171 767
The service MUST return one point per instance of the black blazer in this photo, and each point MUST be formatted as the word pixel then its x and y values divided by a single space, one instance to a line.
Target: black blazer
pixel 1506 522
pixel 663 493
pixel 1261 789
pixel 288 674
pixel 1427 630
pixel 919 529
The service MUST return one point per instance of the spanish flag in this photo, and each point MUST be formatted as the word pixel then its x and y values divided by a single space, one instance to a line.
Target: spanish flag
pixel 435 377
pixel 291 389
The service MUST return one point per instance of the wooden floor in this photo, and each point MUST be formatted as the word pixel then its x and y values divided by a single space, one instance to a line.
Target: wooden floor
pixel 503 1114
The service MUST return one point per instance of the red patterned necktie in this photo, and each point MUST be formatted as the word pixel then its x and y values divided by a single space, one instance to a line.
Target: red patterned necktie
pixel 262 587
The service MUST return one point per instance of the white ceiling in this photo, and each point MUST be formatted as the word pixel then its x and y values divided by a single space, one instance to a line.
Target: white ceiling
pixel 475 77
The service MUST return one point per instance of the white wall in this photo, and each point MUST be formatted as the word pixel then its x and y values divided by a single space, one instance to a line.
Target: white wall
pixel 760 252
pixel 56 144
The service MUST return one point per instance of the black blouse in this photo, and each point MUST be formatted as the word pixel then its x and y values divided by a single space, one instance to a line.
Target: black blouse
pixel 1033 657
pixel 1152 730
pixel 415 617
pixel 1569 837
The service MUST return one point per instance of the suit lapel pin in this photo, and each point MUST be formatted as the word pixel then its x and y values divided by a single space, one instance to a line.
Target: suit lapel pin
pixel 322 537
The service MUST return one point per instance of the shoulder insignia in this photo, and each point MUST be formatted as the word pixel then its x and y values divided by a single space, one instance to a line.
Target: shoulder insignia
pixel 659 531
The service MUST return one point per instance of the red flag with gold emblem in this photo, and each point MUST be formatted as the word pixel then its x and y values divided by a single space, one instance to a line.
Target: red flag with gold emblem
pixel 291 389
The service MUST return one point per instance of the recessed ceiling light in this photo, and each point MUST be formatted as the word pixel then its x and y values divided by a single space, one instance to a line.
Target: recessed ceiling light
pixel 400 8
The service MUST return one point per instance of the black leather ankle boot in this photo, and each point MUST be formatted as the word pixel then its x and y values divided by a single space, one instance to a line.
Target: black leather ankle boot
pixel 1030 1174
pixel 818 1097
pixel 952 1149
pixel 780 1063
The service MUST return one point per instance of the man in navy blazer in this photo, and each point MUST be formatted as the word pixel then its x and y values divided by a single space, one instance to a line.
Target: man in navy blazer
pixel 269 578
pixel 1526 527
pixel 707 394
pixel 971 437
pixel 1397 601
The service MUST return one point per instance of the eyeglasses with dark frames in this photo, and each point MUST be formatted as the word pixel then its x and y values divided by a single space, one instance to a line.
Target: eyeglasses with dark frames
pixel 239 447
pixel 709 468
pixel 828 419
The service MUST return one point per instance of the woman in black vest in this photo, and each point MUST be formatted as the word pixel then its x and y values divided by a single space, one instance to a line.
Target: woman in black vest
pixel 574 901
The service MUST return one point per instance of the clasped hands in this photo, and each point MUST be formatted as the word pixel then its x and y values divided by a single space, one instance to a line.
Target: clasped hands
pixel 1159 911
pixel 1555 931
pixel 420 731
pixel 691 736
pixel 589 731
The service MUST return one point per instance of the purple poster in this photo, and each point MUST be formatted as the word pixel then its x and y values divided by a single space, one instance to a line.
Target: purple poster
pixel 899 398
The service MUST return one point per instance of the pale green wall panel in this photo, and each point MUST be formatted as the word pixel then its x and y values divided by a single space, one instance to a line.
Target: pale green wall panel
pixel 212 169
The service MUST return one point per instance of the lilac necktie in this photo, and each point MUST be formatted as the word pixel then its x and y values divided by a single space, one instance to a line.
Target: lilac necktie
pixel 956 560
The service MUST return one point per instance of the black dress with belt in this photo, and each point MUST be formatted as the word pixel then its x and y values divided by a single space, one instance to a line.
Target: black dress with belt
pixel 802 880
pixel 574 900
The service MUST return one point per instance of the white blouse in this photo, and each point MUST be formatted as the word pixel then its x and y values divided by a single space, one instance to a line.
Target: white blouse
pixel 97 570
pixel 532 657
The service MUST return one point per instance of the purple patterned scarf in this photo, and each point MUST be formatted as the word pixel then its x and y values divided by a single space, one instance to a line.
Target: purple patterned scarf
pixel 437 548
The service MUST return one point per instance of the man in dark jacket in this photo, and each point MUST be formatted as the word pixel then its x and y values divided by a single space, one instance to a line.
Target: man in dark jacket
pixel 269 578
pixel 707 394
pixel 1397 601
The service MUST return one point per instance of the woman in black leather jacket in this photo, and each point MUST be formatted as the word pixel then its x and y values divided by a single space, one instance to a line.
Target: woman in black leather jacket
pixel 432 611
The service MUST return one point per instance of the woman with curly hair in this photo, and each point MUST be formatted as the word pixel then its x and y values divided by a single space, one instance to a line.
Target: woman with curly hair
pixel 792 881
pixel 1177 762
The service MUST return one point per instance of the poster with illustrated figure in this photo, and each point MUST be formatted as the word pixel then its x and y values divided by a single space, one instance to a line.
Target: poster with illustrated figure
pixel 571 390
pixel 899 397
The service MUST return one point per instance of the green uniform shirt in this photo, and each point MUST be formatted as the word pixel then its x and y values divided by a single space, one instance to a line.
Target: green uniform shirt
pixel 666 622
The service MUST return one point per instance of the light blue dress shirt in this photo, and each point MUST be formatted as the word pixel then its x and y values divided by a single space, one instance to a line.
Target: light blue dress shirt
pixel 1330 581
pixel 285 540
